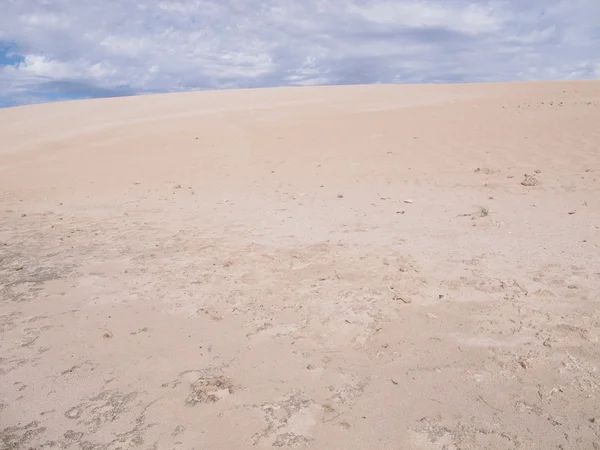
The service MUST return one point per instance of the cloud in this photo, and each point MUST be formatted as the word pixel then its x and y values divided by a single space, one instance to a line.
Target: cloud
pixel 85 48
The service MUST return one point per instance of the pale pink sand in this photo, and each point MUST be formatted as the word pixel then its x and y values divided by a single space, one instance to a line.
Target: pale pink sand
pixel 328 268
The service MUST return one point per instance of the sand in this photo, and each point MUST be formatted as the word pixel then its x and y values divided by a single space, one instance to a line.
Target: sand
pixel 383 267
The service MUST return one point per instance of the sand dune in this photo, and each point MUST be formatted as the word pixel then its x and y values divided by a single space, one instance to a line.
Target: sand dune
pixel 340 267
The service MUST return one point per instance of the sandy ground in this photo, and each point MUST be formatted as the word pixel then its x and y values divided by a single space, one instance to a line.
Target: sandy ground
pixel 328 268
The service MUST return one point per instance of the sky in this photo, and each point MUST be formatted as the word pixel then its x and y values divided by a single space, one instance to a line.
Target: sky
pixel 68 49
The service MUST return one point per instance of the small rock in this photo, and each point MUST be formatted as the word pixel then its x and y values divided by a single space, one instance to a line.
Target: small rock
pixel 524 363
pixel 340 196
pixel 572 286
pixel 571 213
pixel 310 367
pixel 409 201
pixel 537 171
pixel 431 316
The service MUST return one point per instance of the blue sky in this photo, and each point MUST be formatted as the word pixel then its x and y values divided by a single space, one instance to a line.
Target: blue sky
pixel 65 49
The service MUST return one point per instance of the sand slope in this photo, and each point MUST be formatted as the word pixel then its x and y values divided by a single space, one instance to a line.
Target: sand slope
pixel 349 267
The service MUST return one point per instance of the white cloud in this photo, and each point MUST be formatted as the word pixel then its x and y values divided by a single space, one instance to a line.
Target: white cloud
pixel 470 19
pixel 91 48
